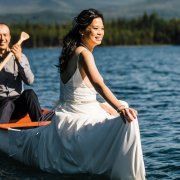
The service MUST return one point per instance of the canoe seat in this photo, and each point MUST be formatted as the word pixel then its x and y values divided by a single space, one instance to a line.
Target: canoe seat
pixel 26 118
pixel 25 122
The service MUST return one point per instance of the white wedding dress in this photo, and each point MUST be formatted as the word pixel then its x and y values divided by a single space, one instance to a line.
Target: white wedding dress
pixel 82 138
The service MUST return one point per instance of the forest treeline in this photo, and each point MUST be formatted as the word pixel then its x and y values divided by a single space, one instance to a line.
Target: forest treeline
pixel 144 30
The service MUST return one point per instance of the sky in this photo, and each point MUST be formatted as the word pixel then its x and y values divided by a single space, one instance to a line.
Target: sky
pixel 110 8
pixel 25 6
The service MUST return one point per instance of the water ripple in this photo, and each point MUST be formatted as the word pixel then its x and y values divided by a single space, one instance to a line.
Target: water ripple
pixel 148 78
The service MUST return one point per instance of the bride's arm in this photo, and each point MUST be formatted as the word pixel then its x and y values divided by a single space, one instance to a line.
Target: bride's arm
pixel 88 67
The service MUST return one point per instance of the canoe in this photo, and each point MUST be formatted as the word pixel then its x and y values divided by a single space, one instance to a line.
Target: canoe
pixel 26 123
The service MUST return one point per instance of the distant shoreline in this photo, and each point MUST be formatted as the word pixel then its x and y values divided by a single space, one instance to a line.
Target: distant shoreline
pixel 143 31
pixel 108 46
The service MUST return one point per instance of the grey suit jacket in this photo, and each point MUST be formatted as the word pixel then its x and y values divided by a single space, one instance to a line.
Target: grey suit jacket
pixel 13 76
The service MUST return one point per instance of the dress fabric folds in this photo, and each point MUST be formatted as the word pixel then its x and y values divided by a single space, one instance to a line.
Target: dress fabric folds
pixel 82 138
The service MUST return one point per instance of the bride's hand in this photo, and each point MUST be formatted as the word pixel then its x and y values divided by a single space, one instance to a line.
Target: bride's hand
pixel 128 114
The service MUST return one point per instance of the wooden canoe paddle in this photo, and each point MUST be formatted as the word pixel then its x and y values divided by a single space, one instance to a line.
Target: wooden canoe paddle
pixel 23 37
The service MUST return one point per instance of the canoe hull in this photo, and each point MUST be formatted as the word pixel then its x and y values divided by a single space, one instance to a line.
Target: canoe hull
pixel 17 125
pixel 4 140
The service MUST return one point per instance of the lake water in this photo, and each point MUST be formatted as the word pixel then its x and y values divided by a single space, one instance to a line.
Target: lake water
pixel 148 78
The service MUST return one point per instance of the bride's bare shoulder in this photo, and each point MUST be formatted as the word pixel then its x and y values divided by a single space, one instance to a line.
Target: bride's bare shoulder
pixel 79 50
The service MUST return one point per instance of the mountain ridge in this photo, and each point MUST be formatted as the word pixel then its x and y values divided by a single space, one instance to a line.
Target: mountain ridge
pixel 63 11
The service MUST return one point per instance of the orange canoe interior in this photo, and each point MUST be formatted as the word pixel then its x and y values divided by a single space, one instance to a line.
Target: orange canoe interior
pixel 24 122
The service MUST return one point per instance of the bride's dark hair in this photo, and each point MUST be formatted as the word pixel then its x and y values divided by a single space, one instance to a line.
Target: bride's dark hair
pixel 73 38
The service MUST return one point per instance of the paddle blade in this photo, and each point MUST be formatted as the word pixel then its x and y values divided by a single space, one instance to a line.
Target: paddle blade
pixel 24 36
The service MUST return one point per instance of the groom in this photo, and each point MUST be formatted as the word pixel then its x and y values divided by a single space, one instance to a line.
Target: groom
pixel 15 102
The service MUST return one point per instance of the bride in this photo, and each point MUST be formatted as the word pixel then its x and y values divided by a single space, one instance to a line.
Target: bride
pixel 104 137
pixel 85 136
